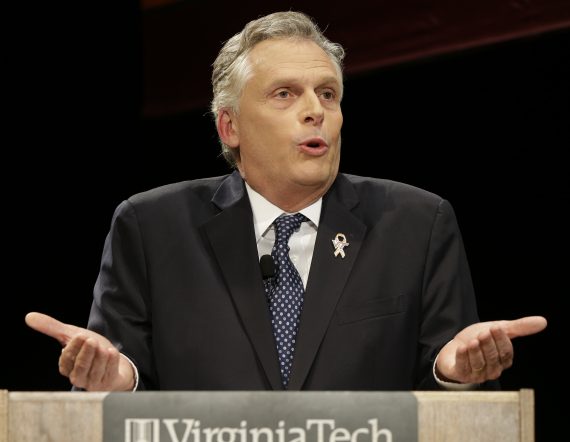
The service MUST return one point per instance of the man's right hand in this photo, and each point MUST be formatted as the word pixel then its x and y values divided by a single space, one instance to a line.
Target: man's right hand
pixel 88 359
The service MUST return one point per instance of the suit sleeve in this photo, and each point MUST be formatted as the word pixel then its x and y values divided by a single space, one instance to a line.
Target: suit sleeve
pixel 121 309
pixel 448 303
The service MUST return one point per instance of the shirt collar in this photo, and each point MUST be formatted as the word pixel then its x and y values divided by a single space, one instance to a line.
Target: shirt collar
pixel 264 212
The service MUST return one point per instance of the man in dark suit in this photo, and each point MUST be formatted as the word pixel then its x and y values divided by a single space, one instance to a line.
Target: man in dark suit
pixel 376 270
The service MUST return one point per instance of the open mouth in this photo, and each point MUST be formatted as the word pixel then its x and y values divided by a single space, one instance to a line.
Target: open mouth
pixel 314 143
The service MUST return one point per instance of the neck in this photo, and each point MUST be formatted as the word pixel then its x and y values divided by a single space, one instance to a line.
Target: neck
pixel 291 200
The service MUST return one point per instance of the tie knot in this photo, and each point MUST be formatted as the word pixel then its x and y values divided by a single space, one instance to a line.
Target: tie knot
pixel 285 225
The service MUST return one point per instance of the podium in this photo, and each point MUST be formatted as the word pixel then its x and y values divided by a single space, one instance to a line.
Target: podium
pixel 441 416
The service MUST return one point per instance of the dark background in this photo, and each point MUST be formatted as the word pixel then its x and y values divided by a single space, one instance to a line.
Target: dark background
pixel 487 128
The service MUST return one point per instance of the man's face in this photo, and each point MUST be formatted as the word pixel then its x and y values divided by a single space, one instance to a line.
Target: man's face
pixel 289 119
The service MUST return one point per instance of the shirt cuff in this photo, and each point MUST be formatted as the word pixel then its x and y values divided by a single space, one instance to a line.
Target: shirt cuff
pixel 135 371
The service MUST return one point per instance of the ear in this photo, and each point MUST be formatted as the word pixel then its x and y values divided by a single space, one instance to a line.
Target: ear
pixel 228 128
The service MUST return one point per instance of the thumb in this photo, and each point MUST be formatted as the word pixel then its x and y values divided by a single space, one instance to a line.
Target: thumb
pixel 50 326
pixel 528 325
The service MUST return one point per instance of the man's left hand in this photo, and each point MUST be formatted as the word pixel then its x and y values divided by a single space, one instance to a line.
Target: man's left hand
pixel 482 351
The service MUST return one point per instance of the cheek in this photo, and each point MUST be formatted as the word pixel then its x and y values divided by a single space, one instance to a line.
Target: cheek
pixel 275 136
pixel 263 127
pixel 338 120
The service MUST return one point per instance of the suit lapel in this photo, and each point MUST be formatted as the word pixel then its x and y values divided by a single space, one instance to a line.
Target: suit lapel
pixel 328 275
pixel 232 237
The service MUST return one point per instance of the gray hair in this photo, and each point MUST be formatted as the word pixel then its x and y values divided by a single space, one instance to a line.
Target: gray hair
pixel 231 68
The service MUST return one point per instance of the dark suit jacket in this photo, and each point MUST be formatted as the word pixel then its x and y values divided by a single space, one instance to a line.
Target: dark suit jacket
pixel 180 290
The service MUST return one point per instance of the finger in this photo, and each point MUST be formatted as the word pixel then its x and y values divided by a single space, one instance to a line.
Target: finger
pixel 462 366
pixel 69 354
pixel 79 376
pixel 49 326
pixel 98 366
pixel 504 347
pixel 112 369
pixel 528 325
pixel 476 358
pixel 489 349
pixel 492 363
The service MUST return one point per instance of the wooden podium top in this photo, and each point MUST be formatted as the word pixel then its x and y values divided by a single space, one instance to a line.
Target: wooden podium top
pixel 442 416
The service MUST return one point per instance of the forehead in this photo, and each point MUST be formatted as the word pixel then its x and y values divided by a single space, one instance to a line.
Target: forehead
pixel 272 57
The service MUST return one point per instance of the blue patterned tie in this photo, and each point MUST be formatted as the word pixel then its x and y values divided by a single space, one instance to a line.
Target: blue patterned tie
pixel 285 293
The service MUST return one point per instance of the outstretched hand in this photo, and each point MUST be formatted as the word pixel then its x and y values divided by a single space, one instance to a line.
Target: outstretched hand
pixel 88 359
pixel 482 351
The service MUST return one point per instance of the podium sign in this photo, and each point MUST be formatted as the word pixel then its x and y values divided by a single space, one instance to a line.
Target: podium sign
pixel 260 417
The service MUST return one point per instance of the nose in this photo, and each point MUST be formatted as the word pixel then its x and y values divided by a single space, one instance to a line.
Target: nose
pixel 313 112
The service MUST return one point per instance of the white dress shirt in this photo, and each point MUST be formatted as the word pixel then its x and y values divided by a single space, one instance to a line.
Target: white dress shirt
pixel 301 243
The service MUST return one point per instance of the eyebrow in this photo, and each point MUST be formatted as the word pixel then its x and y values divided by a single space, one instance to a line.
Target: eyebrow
pixel 328 80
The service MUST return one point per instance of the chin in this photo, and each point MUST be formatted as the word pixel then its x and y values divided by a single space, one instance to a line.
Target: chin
pixel 315 178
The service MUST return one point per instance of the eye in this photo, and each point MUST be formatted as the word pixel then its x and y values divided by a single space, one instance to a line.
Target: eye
pixel 328 95
pixel 283 93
